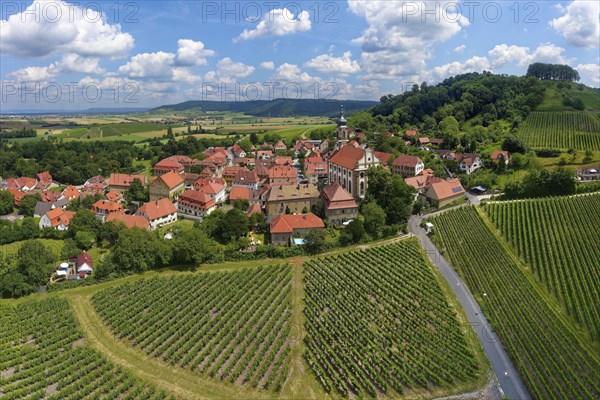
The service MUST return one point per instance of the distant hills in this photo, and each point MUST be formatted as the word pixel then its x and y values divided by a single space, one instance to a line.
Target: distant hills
pixel 272 108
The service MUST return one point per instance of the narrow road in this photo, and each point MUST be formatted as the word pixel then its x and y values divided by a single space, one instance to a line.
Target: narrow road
pixel 507 376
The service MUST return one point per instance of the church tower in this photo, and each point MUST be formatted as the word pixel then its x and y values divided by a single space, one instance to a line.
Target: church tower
pixel 342 132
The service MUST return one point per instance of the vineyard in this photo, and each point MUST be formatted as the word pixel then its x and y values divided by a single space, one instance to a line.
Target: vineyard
pixel 562 130
pixel 231 326
pixel 43 355
pixel 560 239
pixel 550 359
pixel 378 323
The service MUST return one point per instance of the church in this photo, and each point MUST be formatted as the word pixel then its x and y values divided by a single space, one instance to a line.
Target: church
pixel 348 164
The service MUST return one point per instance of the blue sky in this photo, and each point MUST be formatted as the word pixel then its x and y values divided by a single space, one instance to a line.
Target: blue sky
pixel 57 54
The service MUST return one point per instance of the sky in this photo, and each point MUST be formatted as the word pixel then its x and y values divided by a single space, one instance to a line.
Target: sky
pixel 77 55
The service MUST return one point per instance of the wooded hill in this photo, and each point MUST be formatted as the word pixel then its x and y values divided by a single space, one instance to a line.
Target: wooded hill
pixel 273 108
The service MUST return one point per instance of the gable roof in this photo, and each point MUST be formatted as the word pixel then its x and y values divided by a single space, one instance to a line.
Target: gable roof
pixel 212 186
pixel 172 179
pixel 25 181
pixel 292 192
pixel 168 164
pixel 245 177
pixel 336 197
pixel 239 192
pixel 347 156
pixel 71 192
pixel 496 155
pixel 288 223
pixel 383 157
pixel 107 206
pixel 445 189
pixel 254 209
pixel 84 258
pixel 280 145
pixel 282 172
pixel 125 179
pixel 113 195
pixel 58 216
pixel 404 160
pixel 45 176
pixel 130 221
pixel 411 132
pixel 157 209
pixel 196 199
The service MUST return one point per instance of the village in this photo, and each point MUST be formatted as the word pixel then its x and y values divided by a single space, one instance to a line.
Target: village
pixel 268 179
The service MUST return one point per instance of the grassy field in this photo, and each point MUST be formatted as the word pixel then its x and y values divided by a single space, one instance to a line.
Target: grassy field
pixel 561 130
pixel 553 96
pixel 55 246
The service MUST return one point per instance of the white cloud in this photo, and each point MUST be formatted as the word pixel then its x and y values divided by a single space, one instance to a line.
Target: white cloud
pixel 32 74
pixel 399 38
pixel 589 73
pixel 278 22
pixel 267 65
pixel 192 53
pixel 546 52
pixel 149 65
pixel 327 63
pixel 473 64
pixel 460 49
pixel 580 24
pixel 297 83
pixel 50 27
pixel 68 63
pixel 228 71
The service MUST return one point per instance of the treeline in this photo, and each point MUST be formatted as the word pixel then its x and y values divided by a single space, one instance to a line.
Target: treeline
pixel 542 183
pixel 18 133
pixel 487 96
pixel 76 161
pixel 554 72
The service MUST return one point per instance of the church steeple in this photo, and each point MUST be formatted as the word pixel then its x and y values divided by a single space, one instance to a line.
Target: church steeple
pixel 342 134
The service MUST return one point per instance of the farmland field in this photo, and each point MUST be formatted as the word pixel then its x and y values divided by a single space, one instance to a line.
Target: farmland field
pixel 231 326
pixel 368 335
pixel 562 130
pixel 109 130
pixel 551 359
pixel 560 239
pixel 44 355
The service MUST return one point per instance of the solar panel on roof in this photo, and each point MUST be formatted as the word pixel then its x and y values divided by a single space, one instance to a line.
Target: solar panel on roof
pixel 456 189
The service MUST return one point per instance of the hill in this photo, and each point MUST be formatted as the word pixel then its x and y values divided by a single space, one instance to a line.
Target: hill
pixel 556 93
pixel 273 108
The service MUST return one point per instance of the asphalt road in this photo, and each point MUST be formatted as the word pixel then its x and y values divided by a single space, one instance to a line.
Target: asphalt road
pixel 508 378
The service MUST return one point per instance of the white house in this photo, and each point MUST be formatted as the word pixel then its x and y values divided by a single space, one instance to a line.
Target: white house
pixel 158 213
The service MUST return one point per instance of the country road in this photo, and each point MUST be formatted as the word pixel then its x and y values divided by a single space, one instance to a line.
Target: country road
pixel 507 376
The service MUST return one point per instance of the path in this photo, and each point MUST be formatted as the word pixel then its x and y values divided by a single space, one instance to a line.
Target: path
pixel 507 376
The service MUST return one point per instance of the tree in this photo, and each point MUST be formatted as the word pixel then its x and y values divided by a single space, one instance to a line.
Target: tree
pixel 27 205
pixel 6 202
pixel 70 249
pixel 193 247
pixel 513 145
pixel 232 226
pixel 138 250
pixel 589 156
pixel 449 126
pixel 354 232
pixel 396 200
pixel 84 239
pixel 29 228
pixel 253 138
pixel 84 220
pixel 517 160
pixel 241 204
pixel 137 192
pixel 314 241
pixel 34 263
pixel 374 218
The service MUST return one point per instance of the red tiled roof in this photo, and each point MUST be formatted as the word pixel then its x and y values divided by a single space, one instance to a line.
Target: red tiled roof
pixel 71 192
pixel 446 189
pixel 45 176
pixel 404 160
pixel 210 186
pixel 422 181
pixel 496 154
pixel 220 151
pixel 231 170
pixel 280 146
pixel 282 172
pixel 437 141
pixel 196 199
pixel 107 206
pixel 84 258
pixel 237 149
pixel 130 221
pixel 336 197
pixel 58 216
pixel 239 192
pixel 168 164
pixel 283 160
pixel 254 208
pixel 172 179
pixel 17 194
pixel 26 181
pixel 347 156
pixel 113 195
pixel 411 132
pixel 262 153
pixel 157 209
pixel 287 223
pixel 424 140
pixel 245 177
pixel 125 179
pixel 383 157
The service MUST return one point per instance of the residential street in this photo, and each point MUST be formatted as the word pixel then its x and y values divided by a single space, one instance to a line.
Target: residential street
pixel 509 380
